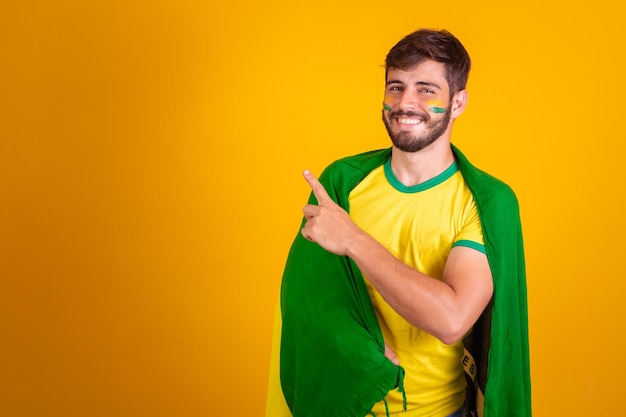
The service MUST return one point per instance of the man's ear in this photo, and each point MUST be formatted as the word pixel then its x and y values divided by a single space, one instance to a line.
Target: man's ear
pixel 459 101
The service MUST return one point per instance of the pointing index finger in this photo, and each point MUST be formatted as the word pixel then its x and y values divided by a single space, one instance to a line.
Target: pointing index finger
pixel 318 189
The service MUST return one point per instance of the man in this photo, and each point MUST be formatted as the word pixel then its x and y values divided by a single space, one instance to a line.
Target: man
pixel 427 242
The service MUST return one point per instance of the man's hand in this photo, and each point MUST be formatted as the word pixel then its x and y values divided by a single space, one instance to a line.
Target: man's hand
pixel 327 224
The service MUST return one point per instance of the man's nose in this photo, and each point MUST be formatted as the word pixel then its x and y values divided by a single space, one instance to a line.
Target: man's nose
pixel 408 100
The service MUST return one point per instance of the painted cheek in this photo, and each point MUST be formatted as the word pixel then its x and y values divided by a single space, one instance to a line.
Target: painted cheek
pixel 388 102
pixel 436 106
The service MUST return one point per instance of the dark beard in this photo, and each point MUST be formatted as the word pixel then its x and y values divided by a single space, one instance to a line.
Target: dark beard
pixel 406 142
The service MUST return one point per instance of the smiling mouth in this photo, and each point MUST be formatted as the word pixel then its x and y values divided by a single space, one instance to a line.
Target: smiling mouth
pixel 408 120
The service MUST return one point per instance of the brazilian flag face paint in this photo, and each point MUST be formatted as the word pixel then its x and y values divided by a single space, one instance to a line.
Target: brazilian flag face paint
pixel 387 99
pixel 436 106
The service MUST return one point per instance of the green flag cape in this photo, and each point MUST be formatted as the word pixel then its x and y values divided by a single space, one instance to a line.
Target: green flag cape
pixel 332 359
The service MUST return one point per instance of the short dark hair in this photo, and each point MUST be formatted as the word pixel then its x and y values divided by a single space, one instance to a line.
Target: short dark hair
pixel 437 45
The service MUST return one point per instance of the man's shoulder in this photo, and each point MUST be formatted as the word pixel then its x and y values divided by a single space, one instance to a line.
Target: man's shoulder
pixel 344 174
pixel 485 186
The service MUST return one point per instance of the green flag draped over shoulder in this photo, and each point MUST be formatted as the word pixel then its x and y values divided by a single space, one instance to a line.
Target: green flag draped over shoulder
pixel 498 345
pixel 332 359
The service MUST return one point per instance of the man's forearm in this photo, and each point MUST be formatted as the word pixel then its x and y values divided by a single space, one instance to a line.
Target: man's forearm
pixel 423 301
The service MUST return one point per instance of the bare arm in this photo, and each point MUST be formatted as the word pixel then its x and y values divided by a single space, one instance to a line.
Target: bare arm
pixel 446 309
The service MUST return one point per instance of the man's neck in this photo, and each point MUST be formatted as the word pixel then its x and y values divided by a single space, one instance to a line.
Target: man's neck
pixel 412 168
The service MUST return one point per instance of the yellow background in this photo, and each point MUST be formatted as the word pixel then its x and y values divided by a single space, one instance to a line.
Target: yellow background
pixel 150 186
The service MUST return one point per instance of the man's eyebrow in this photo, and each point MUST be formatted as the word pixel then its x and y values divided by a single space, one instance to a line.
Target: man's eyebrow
pixel 428 84
pixel 425 83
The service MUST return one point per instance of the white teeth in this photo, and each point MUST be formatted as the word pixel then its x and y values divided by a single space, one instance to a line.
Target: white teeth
pixel 409 121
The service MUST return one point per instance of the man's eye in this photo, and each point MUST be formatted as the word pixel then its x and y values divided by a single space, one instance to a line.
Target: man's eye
pixel 395 88
pixel 428 91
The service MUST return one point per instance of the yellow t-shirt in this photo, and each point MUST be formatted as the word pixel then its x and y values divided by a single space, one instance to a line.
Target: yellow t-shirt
pixel 419 225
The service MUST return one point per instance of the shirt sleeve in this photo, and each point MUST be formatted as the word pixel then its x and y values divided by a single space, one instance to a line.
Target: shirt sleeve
pixel 471 233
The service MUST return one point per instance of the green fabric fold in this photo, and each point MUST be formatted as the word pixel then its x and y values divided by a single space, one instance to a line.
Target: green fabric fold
pixel 332 350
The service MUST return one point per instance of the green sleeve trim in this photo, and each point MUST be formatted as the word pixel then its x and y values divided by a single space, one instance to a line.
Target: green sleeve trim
pixel 470 244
